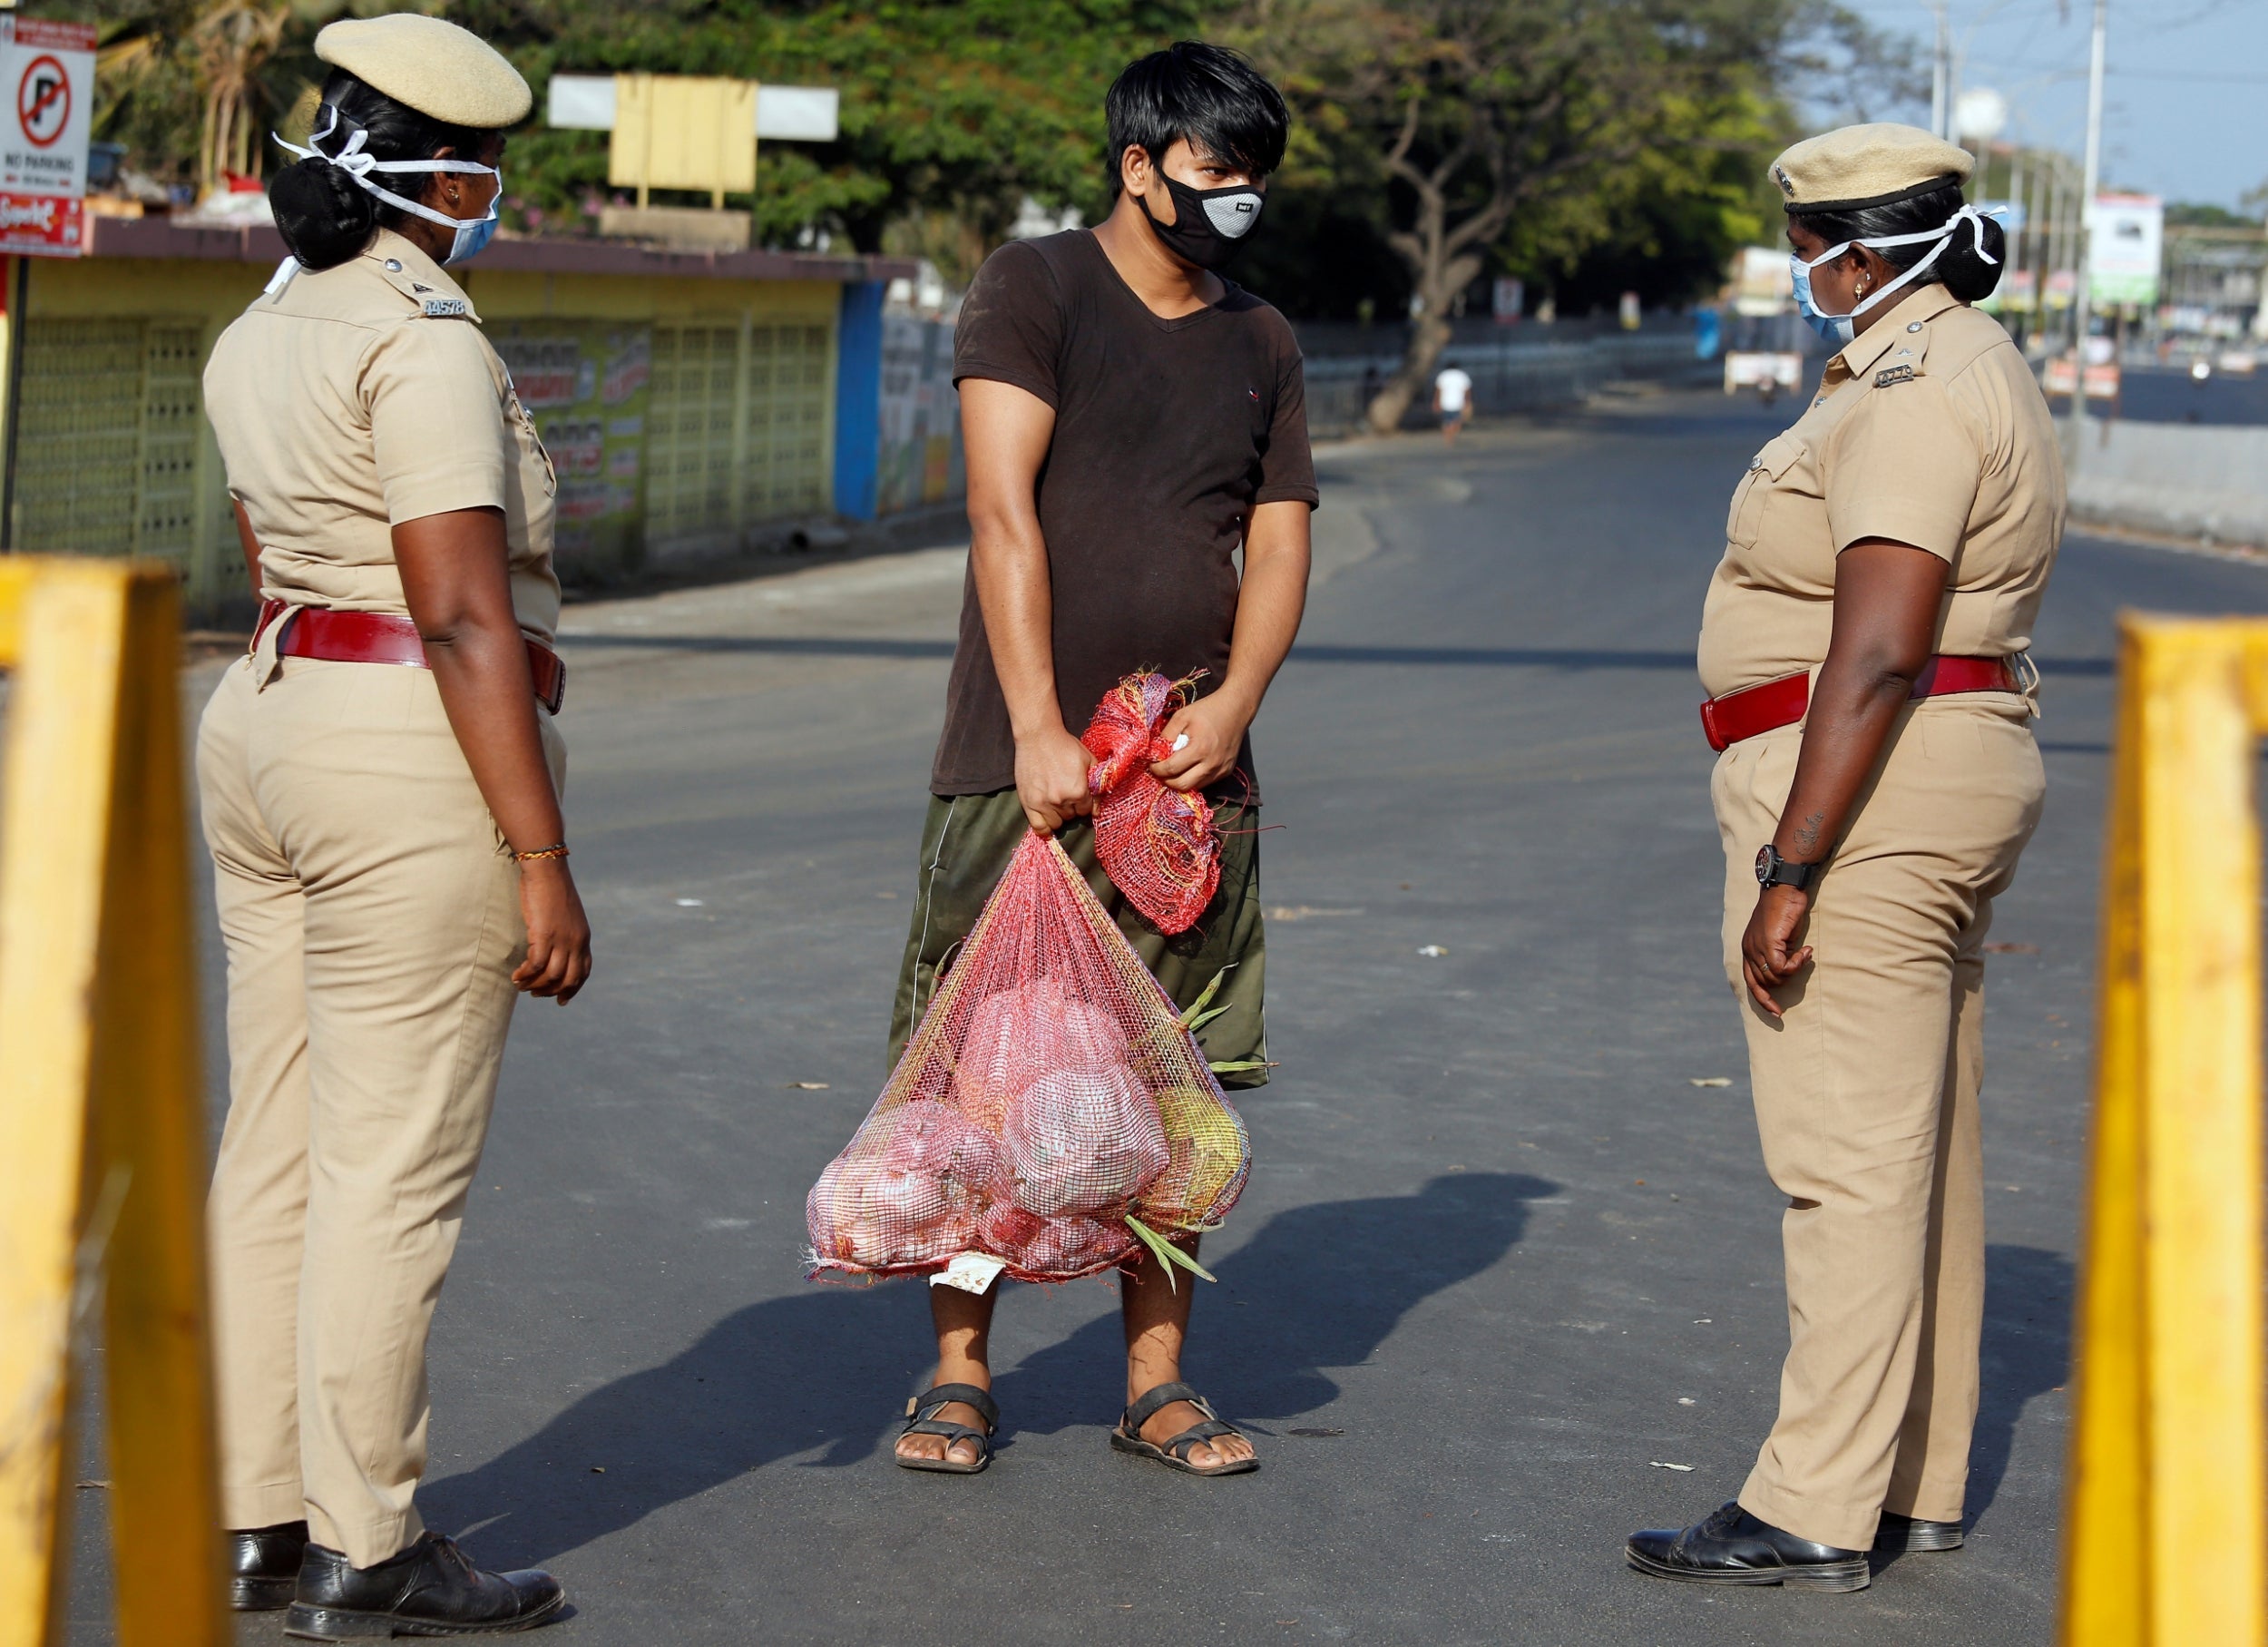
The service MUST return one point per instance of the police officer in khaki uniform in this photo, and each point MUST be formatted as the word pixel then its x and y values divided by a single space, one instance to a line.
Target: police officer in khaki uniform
pixel 388 844
pixel 1864 643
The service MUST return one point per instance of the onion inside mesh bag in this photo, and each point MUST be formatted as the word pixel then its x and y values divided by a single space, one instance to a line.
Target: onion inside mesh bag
pixel 909 1193
pixel 1083 1141
pixel 1018 1035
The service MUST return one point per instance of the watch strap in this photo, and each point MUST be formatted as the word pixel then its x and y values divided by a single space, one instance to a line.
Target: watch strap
pixel 1778 871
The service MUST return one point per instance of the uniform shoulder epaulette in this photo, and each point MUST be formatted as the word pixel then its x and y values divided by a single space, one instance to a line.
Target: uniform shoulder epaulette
pixel 425 300
pixel 1903 363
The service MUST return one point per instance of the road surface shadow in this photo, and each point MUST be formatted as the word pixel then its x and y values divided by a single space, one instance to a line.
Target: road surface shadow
pixel 1317 1287
pixel 2027 1352
pixel 1320 1287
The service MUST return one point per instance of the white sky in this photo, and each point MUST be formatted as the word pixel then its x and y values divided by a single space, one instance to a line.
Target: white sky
pixel 2184 105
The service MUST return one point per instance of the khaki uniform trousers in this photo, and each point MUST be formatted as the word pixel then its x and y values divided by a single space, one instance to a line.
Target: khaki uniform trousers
pixel 1867 1098
pixel 372 920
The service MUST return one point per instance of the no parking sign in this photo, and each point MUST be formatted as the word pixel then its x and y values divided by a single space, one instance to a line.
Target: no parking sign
pixel 46 95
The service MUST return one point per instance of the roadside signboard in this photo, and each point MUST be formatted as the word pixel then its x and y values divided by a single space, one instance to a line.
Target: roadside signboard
pixel 2125 236
pixel 46 100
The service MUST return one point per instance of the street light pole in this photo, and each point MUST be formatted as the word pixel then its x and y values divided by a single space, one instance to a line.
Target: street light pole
pixel 2081 305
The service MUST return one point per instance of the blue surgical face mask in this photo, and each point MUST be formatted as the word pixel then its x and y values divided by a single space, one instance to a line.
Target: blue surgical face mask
pixel 1839 329
pixel 471 235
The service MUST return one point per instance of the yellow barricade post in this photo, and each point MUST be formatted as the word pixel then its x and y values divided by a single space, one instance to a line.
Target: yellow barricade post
pixel 2165 1542
pixel 100 1127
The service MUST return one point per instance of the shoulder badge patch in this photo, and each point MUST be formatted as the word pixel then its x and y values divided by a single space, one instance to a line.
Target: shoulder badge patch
pixel 1882 379
pixel 442 308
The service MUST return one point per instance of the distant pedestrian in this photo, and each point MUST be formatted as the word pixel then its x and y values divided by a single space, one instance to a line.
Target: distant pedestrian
pixel 1132 419
pixel 389 858
pixel 1453 397
pixel 1864 639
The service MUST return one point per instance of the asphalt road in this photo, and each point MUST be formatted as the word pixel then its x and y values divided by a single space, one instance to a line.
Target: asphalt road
pixel 1506 1282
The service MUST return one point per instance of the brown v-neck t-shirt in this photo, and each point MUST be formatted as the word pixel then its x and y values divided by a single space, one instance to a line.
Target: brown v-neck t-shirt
pixel 1168 433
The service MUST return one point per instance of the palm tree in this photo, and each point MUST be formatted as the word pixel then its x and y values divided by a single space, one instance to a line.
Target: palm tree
pixel 234 40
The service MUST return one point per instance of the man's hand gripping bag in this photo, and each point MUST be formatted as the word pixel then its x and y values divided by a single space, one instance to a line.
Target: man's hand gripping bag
pixel 1052 1098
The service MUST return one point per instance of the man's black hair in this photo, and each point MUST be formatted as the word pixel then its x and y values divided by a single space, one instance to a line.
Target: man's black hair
pixel 1207 93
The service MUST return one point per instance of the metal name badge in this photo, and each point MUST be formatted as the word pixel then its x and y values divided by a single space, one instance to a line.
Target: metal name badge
pixel 442 308
pixel 1892 374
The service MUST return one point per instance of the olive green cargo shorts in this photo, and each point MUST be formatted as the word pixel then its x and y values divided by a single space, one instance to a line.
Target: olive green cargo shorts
pixel 966 844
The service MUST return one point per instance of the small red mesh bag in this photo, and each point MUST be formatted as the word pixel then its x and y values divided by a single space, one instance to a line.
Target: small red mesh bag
pixel 1156 843
pixel 1050 1094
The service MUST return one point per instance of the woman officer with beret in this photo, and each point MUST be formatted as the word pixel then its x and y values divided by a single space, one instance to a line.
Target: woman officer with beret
pixel 388 845
pixel 1864 643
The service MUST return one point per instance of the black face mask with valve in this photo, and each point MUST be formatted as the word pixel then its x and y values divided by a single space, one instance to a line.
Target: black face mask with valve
pixel 1209 224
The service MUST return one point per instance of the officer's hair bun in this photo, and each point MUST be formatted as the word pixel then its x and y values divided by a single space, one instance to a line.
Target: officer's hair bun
pixel 323 216
pixel 1965 275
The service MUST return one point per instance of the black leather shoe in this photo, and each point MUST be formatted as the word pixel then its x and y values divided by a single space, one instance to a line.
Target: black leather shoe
pixel 1731 1546
pixel 1914 1537
pixel 432 1588
pixel 264 1565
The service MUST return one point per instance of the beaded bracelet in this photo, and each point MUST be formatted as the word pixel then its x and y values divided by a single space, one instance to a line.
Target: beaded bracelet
pixel 557 849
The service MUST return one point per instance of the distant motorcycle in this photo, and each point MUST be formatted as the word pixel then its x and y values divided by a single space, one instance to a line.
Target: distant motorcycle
pixel 1767 371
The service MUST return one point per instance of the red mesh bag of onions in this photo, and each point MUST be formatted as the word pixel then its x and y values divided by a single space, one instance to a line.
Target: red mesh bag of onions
pixel 1051 1112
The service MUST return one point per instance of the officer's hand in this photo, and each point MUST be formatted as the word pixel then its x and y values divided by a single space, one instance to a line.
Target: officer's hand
pixel 1765 960
pixel 1051 779
pixel 1214 728
pixel 559 933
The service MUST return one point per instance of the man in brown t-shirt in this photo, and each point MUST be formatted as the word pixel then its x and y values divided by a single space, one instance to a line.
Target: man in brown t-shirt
pixel 1132 419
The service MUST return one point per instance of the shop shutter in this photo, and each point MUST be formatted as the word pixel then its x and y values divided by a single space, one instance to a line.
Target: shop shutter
pixel 113 429
pixel 689 421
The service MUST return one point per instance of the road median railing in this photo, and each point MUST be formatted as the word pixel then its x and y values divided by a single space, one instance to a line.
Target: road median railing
pixel 2165 1536
pixel 102 1130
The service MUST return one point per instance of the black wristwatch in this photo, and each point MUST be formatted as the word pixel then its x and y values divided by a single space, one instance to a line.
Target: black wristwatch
pixel 1772 870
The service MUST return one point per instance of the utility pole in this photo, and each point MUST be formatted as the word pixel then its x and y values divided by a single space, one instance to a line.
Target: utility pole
pixel 2081 304
pixel 1940 75
pixel 2023 221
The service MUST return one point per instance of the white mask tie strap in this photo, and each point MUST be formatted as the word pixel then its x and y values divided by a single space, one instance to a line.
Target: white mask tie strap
pixel 358 164
pixel 1943 235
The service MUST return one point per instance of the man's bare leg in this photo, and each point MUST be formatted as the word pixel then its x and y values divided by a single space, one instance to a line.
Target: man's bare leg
pixel 964 1321
pixel 1157 1317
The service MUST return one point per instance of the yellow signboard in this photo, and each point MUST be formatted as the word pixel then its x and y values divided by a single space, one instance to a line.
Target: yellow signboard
pixel 683 132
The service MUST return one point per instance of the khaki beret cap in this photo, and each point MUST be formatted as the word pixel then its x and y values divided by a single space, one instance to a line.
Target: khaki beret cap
pixel 1870 165
pixel 435 67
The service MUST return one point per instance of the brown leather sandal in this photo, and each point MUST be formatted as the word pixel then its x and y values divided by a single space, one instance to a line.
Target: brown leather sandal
pixel 921 1420
pixel 1174 1452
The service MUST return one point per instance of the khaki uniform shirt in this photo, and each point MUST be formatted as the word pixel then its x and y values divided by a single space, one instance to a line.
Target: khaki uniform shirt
pixel 1928 429
pixel 363 395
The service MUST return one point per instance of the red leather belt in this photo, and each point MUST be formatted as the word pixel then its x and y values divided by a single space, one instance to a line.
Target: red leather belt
pixel 382 637
pixel 1784 701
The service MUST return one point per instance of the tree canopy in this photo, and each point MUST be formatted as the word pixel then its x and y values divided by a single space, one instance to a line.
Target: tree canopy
pixel 1589 146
